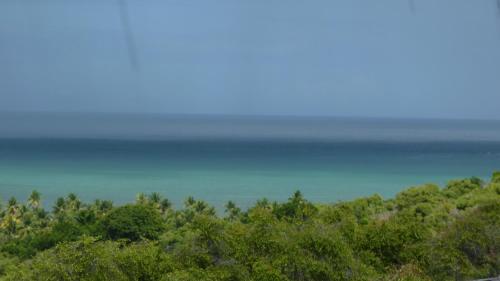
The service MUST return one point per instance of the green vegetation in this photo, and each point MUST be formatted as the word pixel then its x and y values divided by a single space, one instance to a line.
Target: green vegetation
pixel 133 222
pixel 424 233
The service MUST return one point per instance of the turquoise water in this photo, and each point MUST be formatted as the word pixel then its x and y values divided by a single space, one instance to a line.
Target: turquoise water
pixel 244 169
pixel 218 171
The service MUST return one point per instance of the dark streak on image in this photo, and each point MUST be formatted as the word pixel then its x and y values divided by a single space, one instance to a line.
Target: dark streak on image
pixel 129 35
pixel 411 3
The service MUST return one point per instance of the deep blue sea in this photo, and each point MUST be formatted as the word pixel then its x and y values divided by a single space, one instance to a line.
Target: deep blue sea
pixel 221 158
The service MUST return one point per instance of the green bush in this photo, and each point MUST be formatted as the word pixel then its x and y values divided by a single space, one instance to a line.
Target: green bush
pixel 496 177
pixel 423 234
pixel 457 188
pixel 133 222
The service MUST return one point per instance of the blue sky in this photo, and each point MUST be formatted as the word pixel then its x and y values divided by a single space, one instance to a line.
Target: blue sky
pixel 259 57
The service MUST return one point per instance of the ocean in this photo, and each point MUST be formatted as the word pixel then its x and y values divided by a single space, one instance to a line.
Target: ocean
pixel 239 158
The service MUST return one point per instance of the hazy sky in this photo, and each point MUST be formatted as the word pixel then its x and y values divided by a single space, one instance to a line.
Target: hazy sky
pixel 273 57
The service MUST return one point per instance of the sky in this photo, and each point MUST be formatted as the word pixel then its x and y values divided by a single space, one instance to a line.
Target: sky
pixel 384 58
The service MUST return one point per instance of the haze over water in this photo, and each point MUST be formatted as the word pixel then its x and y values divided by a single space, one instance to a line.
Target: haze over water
pixel 221 158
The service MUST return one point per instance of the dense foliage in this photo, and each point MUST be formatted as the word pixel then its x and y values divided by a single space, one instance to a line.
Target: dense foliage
pixel 424 233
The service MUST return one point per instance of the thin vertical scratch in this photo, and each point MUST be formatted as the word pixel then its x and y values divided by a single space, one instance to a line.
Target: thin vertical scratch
pixel 498 12
pixel 412 6
pixel 129 36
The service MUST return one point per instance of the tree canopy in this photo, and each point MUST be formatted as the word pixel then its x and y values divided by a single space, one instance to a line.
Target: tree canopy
pixel 423 233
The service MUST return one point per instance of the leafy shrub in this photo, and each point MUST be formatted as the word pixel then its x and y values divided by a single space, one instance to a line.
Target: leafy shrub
pixel 421 194
pixel 457 188
pixel 133 222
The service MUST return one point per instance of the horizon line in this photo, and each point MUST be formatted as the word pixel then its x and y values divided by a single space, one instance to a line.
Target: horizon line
pixel 246 115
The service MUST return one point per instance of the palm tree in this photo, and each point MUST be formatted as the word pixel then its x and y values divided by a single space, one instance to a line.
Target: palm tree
pixel 155 199
pixel 201 207
pixel 60 205
pixel 34 200
pixel 11 219
pixel 230 205
pixel 12 207
pixel 10 224
pixel 72 197
pixel 165 205
pixel 73 202
pixel 12 202
pixel 141 199
pixel 189 201
pixel 102 206
pixel 232 210
pixel 262 203
pixel 106 205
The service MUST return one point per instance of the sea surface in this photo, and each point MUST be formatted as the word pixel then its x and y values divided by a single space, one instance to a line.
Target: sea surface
pixel 239 158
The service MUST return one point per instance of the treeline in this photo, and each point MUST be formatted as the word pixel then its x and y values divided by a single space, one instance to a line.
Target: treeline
pixel 424 233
